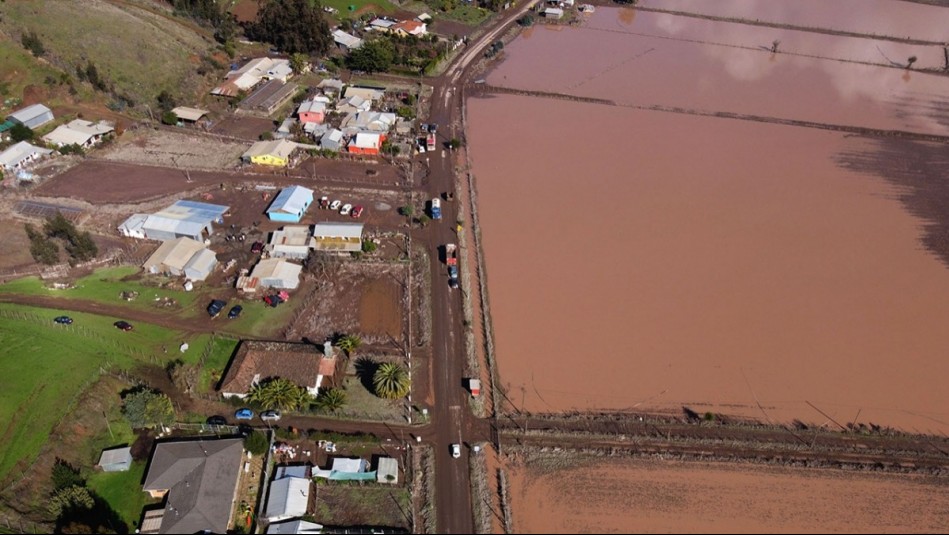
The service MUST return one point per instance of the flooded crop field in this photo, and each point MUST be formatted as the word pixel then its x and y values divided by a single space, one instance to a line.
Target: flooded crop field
pixel 732 229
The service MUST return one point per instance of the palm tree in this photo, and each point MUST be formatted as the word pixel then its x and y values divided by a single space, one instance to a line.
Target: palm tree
pixel 910 62
pixel 391 381
pixel 331 400
pixel 279 393
pixel 348 342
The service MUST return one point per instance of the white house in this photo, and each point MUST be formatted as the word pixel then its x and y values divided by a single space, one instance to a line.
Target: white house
pixel 346 41
pixel 79 132
pixel 21 154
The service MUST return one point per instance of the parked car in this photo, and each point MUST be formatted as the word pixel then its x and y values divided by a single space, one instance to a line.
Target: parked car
pixel 244 414
pixel 257 247
pixel 123 325
pixel 456 450
pixel 345 209
pixel 273 300
pixel 335 204
pixel 63 320
pixel 270 416
pixel 216 420
pixel 234 312
pixel 216 307
pixel 433 128
pixel 324 202
pixel 357 211
pixel 436 209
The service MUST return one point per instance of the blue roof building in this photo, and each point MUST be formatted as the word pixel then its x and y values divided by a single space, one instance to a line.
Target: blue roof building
pixel 290 205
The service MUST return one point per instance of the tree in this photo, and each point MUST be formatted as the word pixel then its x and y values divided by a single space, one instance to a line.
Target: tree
pixel 166 101
pixel 279 393
pixel 21 132
pixel 391 381
pixel 408 210
pixel 368 246
pixel 65 475
pixel 454 143
pixel 373 56
pixel 910 61
pixel 293 26
pixel 70 499
pixel 331 400
pixel 147 408
pixel 256 443
pixel 42 248
pixel 169 118
pixel 348 342
pixel 72 148
pixel 32 42
pixel 299 62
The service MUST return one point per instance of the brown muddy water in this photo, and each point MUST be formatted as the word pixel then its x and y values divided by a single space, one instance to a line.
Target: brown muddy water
pixel 642 260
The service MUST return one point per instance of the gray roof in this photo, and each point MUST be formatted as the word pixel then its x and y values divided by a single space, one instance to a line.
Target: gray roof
pixel 200 477
pixel 20 151
pixel 288 498
pixel 29 112
pixel 338 230
pixel 116 456
pixel 292 200
pixel 185 217
pixel 202 261
pixel 294 527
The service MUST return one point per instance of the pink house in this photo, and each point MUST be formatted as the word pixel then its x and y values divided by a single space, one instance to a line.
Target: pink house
pixel 312 111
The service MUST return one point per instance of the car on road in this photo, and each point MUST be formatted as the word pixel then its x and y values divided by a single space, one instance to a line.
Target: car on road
pixel 216 420
pixel 244 414
pixel 123 325
pixel 357 211
pixel 270 416
pixel 234 312
pixel 324 202
pixel 215 308
pixel 345 209
pixel 63 320
pixel 335 204
pixel 433 127
pixel 436 209
pixel 456 450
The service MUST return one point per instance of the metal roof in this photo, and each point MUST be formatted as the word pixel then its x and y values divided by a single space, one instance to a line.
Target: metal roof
pixel 175 254
pixel 116 456
pixel 280 148
pixel 311 106
pixel 202 261
pixel 189 114
pixel 77 132
pixel 185 217
pixel 294 527
pixel 288 498
pixel 15 154
pixel 292 200
pixel 329 229
pixel 29 112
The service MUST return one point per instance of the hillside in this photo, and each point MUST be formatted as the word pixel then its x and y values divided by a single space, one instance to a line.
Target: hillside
pixel 138 48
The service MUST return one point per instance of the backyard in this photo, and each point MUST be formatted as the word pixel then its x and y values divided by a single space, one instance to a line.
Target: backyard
pixel 353 504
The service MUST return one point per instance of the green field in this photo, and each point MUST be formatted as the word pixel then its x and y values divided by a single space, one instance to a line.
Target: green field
pixel 342 6
pixel 123 491
pixel 467 14
pixel 46 366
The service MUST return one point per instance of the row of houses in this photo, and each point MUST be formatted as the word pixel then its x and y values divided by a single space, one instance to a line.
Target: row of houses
pixel 78 132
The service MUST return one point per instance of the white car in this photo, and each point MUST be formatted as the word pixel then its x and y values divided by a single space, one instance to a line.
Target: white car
pixel 455 451
pixel 345 209
pixel 335 205
pixel 270 416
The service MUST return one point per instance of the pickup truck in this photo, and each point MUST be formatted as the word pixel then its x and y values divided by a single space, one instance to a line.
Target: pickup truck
pixel 451 254
pixel 430 141
pixel 436 209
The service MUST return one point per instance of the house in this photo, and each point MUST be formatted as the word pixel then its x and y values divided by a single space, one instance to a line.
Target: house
pixel 115 460
pixel 20 155
pixel 366 143
pixel 270 96
pixel 292 241
pixel 257 361
pixel 285 130
pixel 295 527
pixel 346 41
pixel 79 132
pixel 332 140
pixel 288 498
pixel 353 104
pixel 290 204
pixel 330 86
pixel 367 93
pixel 373 121
pixel 553 13
pixel 182 256
pixel 275 273
pixel 387 470
pixel 312 111
pixel 316 130
pixel 198 481
pixel 338 237
pixel 251 74
pixel 408 28
pixel 381 24
pixel 31 116
pixel 189 115
pixel 190 219
pixel 276 152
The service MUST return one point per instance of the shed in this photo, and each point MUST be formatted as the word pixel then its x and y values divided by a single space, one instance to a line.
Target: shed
pixel 184 218
pixel 340 237
pixel 133 227
pixel 190 115
pixel 346 41
pixel 553 13
pixel 173 256
pixel 115 460
pixel 332 140
pixel 32 116
pixel 290 204
pixel 388 470
pixel 295 527
pixel 292 241
pixel 201 265
pixel 288 498
pixel 277 273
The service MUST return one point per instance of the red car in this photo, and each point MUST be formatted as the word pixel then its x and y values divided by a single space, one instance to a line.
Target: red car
pixel 357 211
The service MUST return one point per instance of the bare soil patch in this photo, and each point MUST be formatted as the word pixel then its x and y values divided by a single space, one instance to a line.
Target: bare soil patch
pixel 379 307
pixel 175 149
pixel 248 128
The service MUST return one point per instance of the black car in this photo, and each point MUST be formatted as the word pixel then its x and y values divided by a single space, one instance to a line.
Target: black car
pixel 273 300
pixel 217 420
pixel 216 307
pixel 234 312
pixel 123 325
pixel 63 320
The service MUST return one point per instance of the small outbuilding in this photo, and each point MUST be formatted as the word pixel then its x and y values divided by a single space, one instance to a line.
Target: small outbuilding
pixel 189 115
pixel 276 273
pixel 288 498
pixel 387 471
pixel 32 116
pixel 338 237
pixel 290 204
pixel 115 460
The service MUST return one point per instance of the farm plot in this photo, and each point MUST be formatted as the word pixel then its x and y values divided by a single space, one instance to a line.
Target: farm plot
pixel 173 149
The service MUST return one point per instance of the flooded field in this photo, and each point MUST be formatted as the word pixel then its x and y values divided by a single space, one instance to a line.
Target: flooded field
pixel 655 496
pixel 642 259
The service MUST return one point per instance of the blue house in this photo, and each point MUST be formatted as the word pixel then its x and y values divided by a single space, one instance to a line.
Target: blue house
pixel 290 205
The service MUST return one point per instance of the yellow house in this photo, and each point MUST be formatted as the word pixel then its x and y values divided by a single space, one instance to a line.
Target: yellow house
pixel 276 153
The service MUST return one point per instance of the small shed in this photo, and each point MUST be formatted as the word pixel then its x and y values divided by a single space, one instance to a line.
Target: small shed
pixel 553 13
pixel 115 460
pixel 189 115
pixel 388 470
pixel 201 265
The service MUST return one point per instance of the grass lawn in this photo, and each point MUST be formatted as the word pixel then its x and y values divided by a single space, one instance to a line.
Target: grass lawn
pixel 467 14
pixel 213 367
pixel 19 69
pixel 342 6
pixel 368 504
pixel 123 491
pixel 46 366
pixel 361 404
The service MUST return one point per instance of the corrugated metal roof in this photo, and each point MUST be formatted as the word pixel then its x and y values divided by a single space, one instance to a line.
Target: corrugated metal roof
pixel 19 152
pixel 203 261
pixel 330 229
pixel 189 114
pixel 292 200
pixel 289 497
pixel 280 148
pixel 174 254
pixel 29 112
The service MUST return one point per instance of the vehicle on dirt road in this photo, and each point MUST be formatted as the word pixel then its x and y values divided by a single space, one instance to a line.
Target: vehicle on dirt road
pixel 270 416
pixel 345 209
pixel 215 308
pixel 324 202
pixel 430 142
pixel 63 320
pixel 123 325
pixel 357 211
pixel 216 420
pixel 244 414
pixel 335 205
pixel 456 451
pixel 436 209
pixel 234 312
